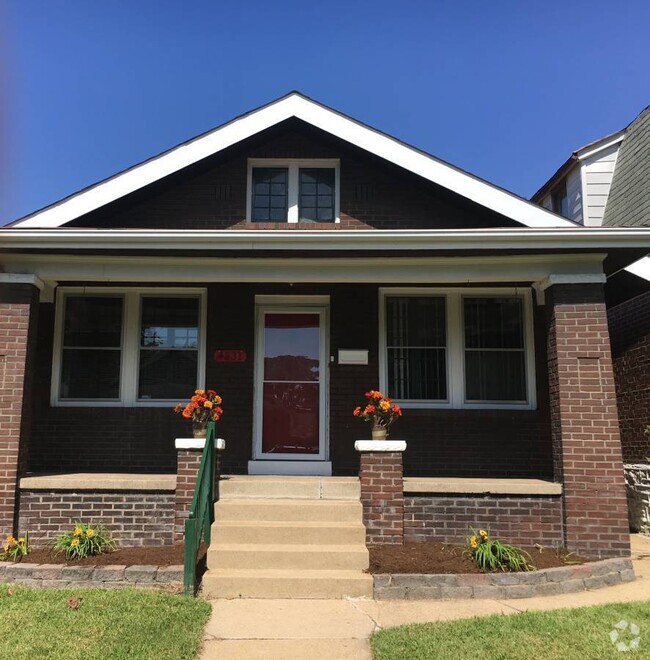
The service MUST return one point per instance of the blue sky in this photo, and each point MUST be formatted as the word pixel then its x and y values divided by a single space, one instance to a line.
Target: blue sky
pixel 505 90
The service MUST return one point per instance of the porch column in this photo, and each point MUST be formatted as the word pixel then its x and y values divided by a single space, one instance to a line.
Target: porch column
pixel 189 458
pixel 382 490
pixel 586 441
pixel 18 320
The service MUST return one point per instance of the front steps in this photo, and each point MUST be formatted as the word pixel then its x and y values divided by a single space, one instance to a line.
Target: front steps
pixel 288 537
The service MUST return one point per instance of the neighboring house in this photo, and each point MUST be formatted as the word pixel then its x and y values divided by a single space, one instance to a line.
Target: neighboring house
pixel 292 259
pixel 607 183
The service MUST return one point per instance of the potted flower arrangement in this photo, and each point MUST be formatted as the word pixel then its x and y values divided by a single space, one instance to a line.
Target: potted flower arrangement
pixel 380 411
pixel 204 406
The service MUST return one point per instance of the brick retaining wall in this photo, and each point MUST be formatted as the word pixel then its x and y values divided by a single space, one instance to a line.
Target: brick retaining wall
pixel 545 582
pixel 134 518
pixel 514 519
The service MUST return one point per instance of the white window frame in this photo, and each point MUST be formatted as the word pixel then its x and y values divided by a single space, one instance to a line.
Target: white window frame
pixel 294 165
pixel 130 346
pixel 455 352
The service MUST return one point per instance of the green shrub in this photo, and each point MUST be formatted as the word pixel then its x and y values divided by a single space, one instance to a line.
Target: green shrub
pixel 84 540
pixel 492 555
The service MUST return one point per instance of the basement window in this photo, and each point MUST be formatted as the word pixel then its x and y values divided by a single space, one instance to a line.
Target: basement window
pixel 293 191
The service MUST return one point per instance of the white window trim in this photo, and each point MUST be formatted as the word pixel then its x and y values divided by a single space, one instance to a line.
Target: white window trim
pixel 130 344
pixel 455 353
pixel 293 183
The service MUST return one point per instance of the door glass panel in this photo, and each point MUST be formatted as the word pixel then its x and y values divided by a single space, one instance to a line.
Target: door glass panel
pixel 291 388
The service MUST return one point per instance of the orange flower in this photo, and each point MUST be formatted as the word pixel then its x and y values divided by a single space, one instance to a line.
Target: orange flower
pixel 207 404
pixel 369 409
pixel 217 399
pixel 218 410
pixel 396 409
pixel 178 407
pixel 357 411
pixel 384 406
pixel 187 412
pixel 200 392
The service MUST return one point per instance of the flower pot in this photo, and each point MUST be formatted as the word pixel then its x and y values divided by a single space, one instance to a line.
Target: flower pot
pixel 199 431
pixel 379 434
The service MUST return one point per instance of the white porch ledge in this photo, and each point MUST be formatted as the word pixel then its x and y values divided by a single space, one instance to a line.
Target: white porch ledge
pixel 480 486
pixel 198 443
pixel 100 481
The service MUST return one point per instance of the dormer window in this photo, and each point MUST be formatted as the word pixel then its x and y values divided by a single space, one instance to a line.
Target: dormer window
pixel 293 191
pixel 560 200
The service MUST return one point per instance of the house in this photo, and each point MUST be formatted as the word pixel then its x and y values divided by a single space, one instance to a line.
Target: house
pixel 292 259
pixel 607 183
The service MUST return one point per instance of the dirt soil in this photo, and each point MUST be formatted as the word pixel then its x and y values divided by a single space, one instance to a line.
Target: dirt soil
pixel 437 558
pixel 163 555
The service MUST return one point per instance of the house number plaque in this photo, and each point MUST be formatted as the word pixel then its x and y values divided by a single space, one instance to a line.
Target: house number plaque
pixel 229 355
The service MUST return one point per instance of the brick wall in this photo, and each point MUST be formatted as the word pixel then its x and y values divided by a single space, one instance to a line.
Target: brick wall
pixel 18 321
pixel 629 328
pixel 134 518
pixel 514 519
pixel 374 193
pixel 586 440
pixel 441 442
pixel 382 496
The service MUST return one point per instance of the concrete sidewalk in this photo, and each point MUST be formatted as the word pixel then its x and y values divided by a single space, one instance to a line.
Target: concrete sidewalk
pixel 340 629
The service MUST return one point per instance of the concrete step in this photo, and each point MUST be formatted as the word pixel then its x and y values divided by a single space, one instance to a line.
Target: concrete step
pixel 307 557
pixel 287 510
pixel 283 487
pixel 287 532
pixel 269 583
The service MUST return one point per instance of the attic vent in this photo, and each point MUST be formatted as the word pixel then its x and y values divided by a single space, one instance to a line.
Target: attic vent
pixel 364 192
pixel 223 192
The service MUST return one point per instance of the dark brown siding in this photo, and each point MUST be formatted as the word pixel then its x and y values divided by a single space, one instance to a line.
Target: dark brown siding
pixel 440 442
pixel 374 193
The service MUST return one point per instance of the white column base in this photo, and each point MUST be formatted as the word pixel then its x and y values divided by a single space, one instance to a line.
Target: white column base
pixel 198 443
pixel 380 445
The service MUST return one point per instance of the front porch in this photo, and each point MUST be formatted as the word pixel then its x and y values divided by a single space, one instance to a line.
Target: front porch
pixel 504 377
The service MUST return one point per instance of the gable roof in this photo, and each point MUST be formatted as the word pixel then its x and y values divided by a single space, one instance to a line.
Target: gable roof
pixel 628 203
pixel 296 105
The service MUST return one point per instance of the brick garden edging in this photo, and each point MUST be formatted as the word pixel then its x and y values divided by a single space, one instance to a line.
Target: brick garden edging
pixel 545 582
pixel 63 575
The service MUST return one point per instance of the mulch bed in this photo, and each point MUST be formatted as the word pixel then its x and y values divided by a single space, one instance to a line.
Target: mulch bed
pixel 438 558
pixel 162 555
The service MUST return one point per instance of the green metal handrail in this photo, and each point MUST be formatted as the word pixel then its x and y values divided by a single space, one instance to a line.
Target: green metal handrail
pixel 201 515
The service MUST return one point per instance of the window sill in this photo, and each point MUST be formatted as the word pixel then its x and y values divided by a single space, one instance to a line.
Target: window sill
pixel 481 486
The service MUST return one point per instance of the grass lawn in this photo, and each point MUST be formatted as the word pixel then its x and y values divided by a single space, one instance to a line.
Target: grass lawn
pixel 560 634
pixel 108 623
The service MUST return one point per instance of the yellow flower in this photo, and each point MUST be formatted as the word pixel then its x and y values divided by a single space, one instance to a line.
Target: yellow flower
pixel 483 534
pixel 208 404
pixel 90 532
pixel 78 531
pixel 75 542
pixel 10 539
pixel 21 539
pixel 199 392
pixel 6 547
pixel 473 542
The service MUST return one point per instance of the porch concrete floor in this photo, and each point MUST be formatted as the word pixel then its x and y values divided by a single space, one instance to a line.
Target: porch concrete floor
pixel 340 629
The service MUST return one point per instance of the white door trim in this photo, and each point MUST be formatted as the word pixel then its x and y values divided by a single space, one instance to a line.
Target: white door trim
pixel 287 306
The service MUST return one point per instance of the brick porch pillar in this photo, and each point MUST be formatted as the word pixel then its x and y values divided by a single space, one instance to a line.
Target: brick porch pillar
pixel 586 441
pixel 18 321
pixel 382 490
pixel 189 451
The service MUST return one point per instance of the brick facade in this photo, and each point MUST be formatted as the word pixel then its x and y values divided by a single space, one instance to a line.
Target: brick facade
pixel 491 443
pixel 18 322
pixel 382 496
pixel 514 519
pixel 189 461
pixel 629 328
pixel 586 440
pixel 134 518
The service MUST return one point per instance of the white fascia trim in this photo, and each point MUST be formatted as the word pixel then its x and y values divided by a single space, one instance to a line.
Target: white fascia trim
pixel 640 268
pixel 385 269
pixel 198 443
pixel 295 105
pixel 20 278
pixel 342 239
pixel 592 149
pixel 380 445
pixel 570 278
